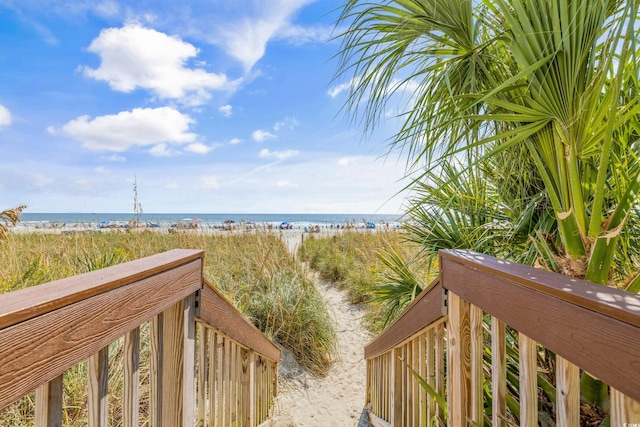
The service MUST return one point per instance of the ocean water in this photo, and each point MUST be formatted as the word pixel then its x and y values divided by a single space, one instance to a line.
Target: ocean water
pixel 166 220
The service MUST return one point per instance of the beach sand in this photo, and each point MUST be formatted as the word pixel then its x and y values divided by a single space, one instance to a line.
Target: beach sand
pixel 337 399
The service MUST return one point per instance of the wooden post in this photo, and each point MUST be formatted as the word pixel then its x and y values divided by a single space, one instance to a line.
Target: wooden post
pixel 98 396
pixel 189 361
pixel 477 351
pixel 245 381
pixel 528 382
pixel 202 373
pixel 155 372
pixel 624 410
pixel 458 367
pixel 178 393
pixel 396 388
pixel 567 393
pixel 49 403
pixel 131 375
pixel 213 363
pixel 498 373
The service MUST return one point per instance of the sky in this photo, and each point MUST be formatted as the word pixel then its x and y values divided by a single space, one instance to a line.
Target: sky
pixel 212 106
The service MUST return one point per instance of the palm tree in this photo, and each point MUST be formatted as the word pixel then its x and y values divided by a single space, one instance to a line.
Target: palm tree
pixel 555 78
pixel 9 216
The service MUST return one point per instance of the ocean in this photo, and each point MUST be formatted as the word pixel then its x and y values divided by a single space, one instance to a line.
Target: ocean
pixel 203 219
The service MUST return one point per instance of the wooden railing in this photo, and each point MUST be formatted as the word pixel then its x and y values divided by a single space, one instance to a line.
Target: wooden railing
pixel 464 317
pixel 207 364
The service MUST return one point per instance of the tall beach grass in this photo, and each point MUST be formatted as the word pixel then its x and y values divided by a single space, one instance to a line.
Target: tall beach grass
pixel 253 270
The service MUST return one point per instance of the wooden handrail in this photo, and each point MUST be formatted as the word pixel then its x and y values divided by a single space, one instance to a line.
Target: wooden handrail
pixel 27 303
pixel 605 300
pixel 583 322
pixel 425 310
pixel 43 336
pixel 589 327
pixel 47 329
pixel 216 311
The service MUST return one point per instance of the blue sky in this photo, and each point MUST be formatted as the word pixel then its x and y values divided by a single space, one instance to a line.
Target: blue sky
pixel 214 106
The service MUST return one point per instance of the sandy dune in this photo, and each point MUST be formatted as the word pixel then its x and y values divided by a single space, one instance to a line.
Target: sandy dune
pixel 338 399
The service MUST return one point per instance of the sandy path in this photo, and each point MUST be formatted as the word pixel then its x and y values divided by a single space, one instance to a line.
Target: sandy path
pixel 337 399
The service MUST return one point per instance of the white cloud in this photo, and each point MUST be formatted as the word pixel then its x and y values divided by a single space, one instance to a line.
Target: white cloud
pixel 209 182
pixel 288 123
pixel 5 116
pixel 39 181
pixel 161 150
pixel 199 148
pixel 262 135
pixel 226 110
pixel 298 35
pixel 337 90
pixel 246 39
pixel 283 183
pixel 171 186
pixel 82 184
pixel 101 169
pixel 234 141
pixel 346 161
pixel 279 155
pixel 113 157
pixel 135 57
pixel 139 127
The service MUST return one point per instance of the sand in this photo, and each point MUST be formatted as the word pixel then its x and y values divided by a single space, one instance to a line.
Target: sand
pixel 337 399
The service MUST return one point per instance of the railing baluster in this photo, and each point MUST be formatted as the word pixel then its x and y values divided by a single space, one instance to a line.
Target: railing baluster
pixel 221 379
pixel 131 375
pixel 49 403
pixel 624 410
pixel 213 363
pixel 477 351
pixel 567 393
pixel 528 382
pixel 498 373
pixel 189 361
pixel 98 396
pixel 431 373
pixel 202 373
pixel 459 369
pixel 155 371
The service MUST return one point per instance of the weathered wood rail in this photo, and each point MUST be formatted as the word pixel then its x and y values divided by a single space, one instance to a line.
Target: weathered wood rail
pixel 462 318
pixel 207 364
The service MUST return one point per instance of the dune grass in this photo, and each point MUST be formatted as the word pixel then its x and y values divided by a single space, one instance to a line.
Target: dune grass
pixel 353 261
pixel 253 270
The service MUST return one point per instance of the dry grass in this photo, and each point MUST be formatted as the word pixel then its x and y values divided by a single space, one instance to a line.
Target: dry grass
pixel 253 270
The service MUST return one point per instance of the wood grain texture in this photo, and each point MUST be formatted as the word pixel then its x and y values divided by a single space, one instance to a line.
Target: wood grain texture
pixel 40 349
pixel 18 306
pixel 498 373
pixel 611 302
pixel 427 308
pixel 567 393
pixel 624 410
pixel 220 314
pixel 528 381
pixel 477 377
pixel 49 404
pixel 202 374
pixel 458 366
pixel 189 362
pixel 396 388
pixel 173 365
pixel 155 371
pixel 131 378
pixel 98 395
pixel 583 336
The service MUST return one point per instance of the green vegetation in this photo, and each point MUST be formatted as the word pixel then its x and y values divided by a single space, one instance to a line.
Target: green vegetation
pixel 360 263
pixel 521 126
pixel 254 271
